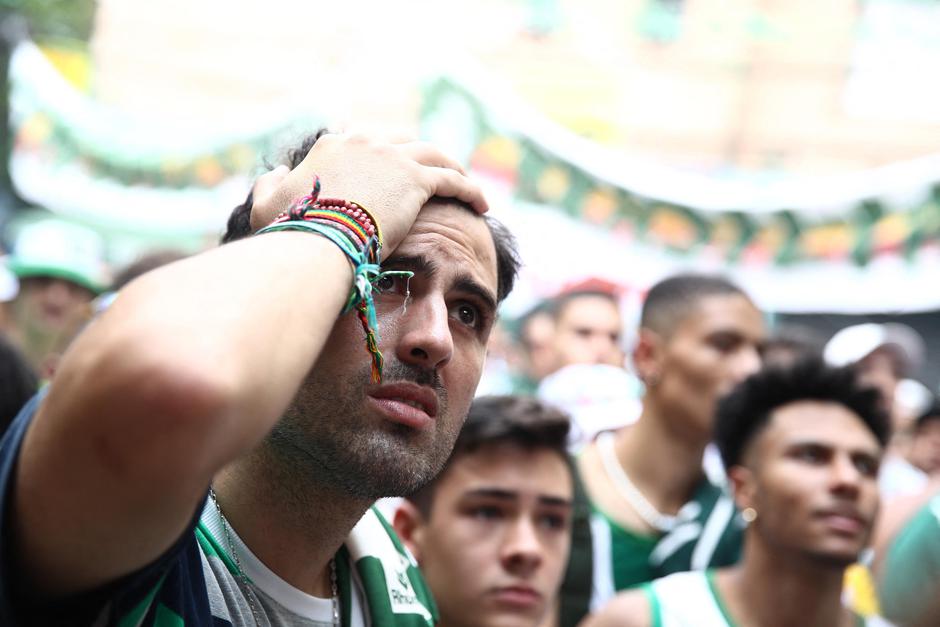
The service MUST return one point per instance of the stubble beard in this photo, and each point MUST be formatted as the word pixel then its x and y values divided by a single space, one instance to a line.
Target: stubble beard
pixel 326 438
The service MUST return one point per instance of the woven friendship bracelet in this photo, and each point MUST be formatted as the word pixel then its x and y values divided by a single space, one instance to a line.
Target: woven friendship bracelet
pixel 357 234
pixel 337 208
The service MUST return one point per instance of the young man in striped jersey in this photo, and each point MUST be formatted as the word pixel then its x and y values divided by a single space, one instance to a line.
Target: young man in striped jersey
pixel 655 511
pixel 210 448
pixel 802 445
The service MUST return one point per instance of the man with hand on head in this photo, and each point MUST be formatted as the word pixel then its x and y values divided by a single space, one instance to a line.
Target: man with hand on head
pixel 655 511
pixel 212 444
pixel 491 532
pixel 802 445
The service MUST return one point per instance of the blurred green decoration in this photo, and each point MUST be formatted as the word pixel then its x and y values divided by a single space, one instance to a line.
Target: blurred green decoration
pixel 661 20
pixel 542 165
pixel 789 249
pixel 924 219
pixel 868 214
pixel 54 19
pixel 544 17
pixel 138 179
pixel 64 23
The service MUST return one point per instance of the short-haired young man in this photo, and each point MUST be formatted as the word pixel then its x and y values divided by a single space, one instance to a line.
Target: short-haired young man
pixel 655 511
pixel 802 446
pixel 924 450
pixel 491 532
pixel 587 328
pixel 211 446
pixel 534 336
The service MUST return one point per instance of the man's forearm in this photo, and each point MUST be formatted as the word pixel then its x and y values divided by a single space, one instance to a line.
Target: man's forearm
pixel 191 367
pixel 244 322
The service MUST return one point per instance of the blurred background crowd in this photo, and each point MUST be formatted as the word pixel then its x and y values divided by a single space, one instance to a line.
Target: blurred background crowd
pixel 793 147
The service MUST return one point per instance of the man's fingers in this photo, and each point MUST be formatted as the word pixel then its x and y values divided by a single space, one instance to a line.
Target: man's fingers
pixel 426 154
pixel 268 182
pixel 449 184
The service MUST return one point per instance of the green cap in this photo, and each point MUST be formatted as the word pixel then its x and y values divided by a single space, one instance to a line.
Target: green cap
pixel 60 249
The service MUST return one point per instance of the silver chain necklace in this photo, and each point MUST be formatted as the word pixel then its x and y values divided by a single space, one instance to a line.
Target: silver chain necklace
pixel 664 523
pixel 244 578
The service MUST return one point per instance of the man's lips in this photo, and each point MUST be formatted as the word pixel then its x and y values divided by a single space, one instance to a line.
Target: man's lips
pixel 520 596
pixel 845 520
pixel 407 403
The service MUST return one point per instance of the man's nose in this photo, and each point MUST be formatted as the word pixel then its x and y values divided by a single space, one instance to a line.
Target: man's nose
pixel 845 476
pixel 522 550
pixel 426 339
pixel 746 363
pixel 57 291
pixel 601 348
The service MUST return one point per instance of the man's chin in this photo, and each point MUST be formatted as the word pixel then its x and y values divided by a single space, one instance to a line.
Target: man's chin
pixel 503 618
pixel 395 462
pixel 838 558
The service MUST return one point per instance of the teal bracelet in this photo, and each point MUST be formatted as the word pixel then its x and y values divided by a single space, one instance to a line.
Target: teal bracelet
pixel 365 274
pixel 333 234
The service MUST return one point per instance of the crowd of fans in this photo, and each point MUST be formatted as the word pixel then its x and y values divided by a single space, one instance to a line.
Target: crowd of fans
pixel 201 439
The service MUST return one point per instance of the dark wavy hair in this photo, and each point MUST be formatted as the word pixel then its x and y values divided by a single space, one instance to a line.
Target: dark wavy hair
pixel 507 252
pixel 743 413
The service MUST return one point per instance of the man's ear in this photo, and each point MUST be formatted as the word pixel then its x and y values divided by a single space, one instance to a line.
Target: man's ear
pixel 409 525
pixel 743 488
pixel 647 357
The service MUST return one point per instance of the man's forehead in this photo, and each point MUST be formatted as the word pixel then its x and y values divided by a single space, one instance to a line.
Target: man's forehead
pixel 510 466
pixel 724 312
pixel 450 233
pixel 825 422
pixel 596 307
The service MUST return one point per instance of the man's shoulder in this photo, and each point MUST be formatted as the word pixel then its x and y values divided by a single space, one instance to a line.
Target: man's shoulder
pixel 689 598
pixel 912 564
pixel 170 587
pixel 633 608
pixel 677 584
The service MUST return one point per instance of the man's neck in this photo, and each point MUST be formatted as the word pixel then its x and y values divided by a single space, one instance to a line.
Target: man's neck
pixel 666 469
pixel 293 529
pixel 777 589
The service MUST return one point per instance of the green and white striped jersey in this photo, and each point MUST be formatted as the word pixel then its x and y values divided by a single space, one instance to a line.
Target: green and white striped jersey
pixel 692 600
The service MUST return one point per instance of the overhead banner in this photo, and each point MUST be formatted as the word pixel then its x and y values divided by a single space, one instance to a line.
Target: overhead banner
pixel 77 156
pixel 878 229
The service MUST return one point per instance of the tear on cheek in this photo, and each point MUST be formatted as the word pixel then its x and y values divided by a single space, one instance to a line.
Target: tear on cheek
pixel 404 303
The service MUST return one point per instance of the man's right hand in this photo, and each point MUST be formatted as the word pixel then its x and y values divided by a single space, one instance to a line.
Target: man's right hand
pixel 391 180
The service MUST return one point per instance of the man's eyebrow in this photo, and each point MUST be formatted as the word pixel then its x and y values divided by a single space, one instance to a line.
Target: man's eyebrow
pixel 492 493
pixel 470 286
pixel 555 501
pixel 509 495
pixel 428 267
pixel 804 442
pixel 415 263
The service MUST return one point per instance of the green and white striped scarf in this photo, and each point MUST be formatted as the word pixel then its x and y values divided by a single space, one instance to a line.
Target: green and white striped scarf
pixel 395 590
pixel 372 559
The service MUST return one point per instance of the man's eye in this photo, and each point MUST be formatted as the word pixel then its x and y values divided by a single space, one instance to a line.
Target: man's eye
pixel 467 314
pixel 553 521
pixel 810 454
pixel 724 345
pixel 384 283
pixel 486 512
pixel 866 466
